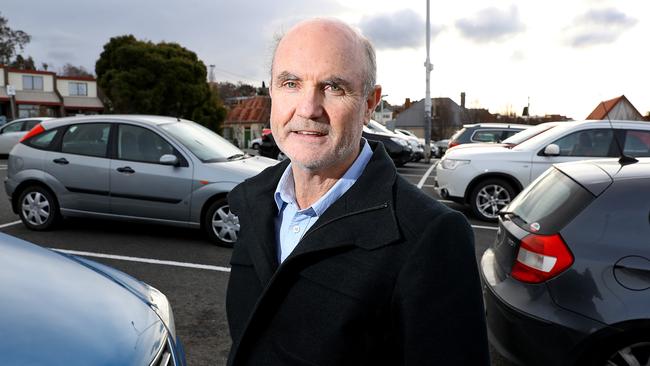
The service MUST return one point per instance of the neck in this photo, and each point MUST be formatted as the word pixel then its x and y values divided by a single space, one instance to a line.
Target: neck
pixel 311 185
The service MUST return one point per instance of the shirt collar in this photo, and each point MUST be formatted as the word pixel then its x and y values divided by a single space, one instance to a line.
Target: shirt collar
pixel 285 191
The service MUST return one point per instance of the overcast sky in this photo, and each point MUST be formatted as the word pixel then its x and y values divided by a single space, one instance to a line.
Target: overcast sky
pixel 563 55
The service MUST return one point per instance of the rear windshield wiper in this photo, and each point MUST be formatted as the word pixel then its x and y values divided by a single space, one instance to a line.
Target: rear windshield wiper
pixel 511 215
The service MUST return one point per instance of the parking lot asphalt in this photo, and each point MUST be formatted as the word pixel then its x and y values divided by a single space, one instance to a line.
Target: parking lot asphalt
pixel 191 271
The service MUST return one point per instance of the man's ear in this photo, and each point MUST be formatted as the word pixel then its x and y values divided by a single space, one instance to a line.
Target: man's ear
pixel 371 103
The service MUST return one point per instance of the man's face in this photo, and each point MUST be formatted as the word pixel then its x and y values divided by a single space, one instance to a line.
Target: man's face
pixel 319 108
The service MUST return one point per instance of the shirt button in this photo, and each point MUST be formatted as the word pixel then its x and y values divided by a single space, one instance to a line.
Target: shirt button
pixel 296 229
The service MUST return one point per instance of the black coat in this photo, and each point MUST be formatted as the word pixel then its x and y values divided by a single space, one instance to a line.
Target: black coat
pixel 386 276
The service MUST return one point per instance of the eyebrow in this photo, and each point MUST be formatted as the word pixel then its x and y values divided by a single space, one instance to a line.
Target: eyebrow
pixel 285 76
pixel 333 80
pixel 338 81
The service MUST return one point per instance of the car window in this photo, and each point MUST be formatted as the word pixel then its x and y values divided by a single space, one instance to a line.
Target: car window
pixel 528 133
pixel 14 127
pixel 508 133
pixel 550 203
pixel 86 139
pixel 43 140
pixel 29 125
pixel 140 144
pixel 487 136
pixel 637 143
pixel 202 142
pixel 591 143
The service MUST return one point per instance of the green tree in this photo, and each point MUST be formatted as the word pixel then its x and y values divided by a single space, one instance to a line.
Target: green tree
pixel 23 63
pixel 10 40
pixel 161 79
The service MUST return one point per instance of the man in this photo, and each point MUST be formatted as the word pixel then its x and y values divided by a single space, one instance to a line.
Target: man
pixel 340 261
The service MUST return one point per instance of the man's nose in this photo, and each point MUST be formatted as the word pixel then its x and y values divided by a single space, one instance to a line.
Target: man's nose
pixel 311 104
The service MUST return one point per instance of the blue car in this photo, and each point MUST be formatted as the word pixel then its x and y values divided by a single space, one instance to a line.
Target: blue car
pixel 57 309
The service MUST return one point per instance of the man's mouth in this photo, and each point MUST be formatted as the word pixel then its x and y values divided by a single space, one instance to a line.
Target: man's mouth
pixel 310 133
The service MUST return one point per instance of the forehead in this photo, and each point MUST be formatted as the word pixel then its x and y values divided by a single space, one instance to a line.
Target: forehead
pixel 320 50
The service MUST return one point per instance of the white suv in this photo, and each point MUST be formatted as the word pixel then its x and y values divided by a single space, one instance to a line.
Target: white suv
pixel 489 177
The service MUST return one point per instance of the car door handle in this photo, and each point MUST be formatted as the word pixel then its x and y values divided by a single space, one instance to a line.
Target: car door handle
pixel 126 169
pixel 61 161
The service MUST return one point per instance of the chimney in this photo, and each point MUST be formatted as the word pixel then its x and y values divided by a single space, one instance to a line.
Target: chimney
pixel 462 100
pixel 407 103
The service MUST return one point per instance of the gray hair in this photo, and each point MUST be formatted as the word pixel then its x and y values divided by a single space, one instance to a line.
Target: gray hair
pixel 370 72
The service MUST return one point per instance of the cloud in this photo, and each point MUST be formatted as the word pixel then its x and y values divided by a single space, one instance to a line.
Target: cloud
pixel 401 29
pixel 598 27
pixel 491 25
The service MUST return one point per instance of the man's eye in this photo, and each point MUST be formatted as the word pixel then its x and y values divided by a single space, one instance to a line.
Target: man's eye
pixel 334 88
pixel 290 84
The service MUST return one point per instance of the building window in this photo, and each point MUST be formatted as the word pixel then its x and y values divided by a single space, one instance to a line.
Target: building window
pixel 31 82
pixel 28 110
pixel 78 89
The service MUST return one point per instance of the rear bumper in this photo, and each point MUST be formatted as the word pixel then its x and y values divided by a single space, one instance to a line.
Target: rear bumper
pixel 527 327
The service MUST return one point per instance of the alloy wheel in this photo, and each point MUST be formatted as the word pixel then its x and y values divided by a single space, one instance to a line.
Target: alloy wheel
pixel 225 224
pixel 637 354
pixel 36 208
pixel 491 199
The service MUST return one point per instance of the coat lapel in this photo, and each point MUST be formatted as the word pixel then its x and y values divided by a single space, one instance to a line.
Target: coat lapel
pixel 263 252
pixel 363 216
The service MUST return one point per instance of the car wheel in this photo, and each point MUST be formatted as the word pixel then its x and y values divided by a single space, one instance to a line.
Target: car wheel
pixel 256 146
pixel 629 350
pixel 489 197
pixel 38 208
pixel 221 225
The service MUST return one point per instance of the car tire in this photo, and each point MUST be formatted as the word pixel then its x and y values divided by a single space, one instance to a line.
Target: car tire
pixel 256 146
pixel 489 197
pixel 38 208
pixel 221 225
pixel 625 350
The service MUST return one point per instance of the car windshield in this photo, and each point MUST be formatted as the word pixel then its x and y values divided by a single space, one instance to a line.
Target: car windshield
pixel 550 203
pixel 202 142
pixel 524 135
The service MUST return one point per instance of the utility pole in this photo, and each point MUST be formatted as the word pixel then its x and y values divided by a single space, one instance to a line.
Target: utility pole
pixel 381 109
pixel 427 99
pixel 211 74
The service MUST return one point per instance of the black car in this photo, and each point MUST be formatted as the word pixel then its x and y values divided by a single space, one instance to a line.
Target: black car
pixel 484 132
pixel 567 280
pixel 398 149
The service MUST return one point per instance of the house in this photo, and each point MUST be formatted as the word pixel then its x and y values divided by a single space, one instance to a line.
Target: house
pixel 44 94
pixel 446 117
pixel 246 119
pixel 35 94
pixel 383 112
pixel 79 95
pixel 617 108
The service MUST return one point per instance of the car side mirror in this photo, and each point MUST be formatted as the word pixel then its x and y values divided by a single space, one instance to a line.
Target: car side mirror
pixel 169 159
pixel 552 150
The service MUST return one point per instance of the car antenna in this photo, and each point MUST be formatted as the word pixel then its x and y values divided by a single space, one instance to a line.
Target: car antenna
pixel 624 159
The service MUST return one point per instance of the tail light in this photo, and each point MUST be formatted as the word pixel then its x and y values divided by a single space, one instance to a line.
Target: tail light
pixel 36 130
pixel 452 143
pixel 540 258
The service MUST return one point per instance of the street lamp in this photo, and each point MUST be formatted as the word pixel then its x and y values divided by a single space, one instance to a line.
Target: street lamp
pixel 381 108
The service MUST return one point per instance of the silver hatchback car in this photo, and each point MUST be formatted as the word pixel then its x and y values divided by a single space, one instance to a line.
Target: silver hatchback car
pixel 137 168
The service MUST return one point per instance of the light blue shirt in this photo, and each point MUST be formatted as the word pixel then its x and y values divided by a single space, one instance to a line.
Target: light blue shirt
pixel 292 222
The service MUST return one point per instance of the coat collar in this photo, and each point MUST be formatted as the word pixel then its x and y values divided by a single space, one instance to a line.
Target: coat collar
pixel 363 216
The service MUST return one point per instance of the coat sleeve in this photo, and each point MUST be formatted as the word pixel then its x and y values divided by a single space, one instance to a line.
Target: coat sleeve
pixel 437 307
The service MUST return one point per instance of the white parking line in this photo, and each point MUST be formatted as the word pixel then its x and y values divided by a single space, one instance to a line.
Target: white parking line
pixel 10 224
pixel 426 175
pixel 144 260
